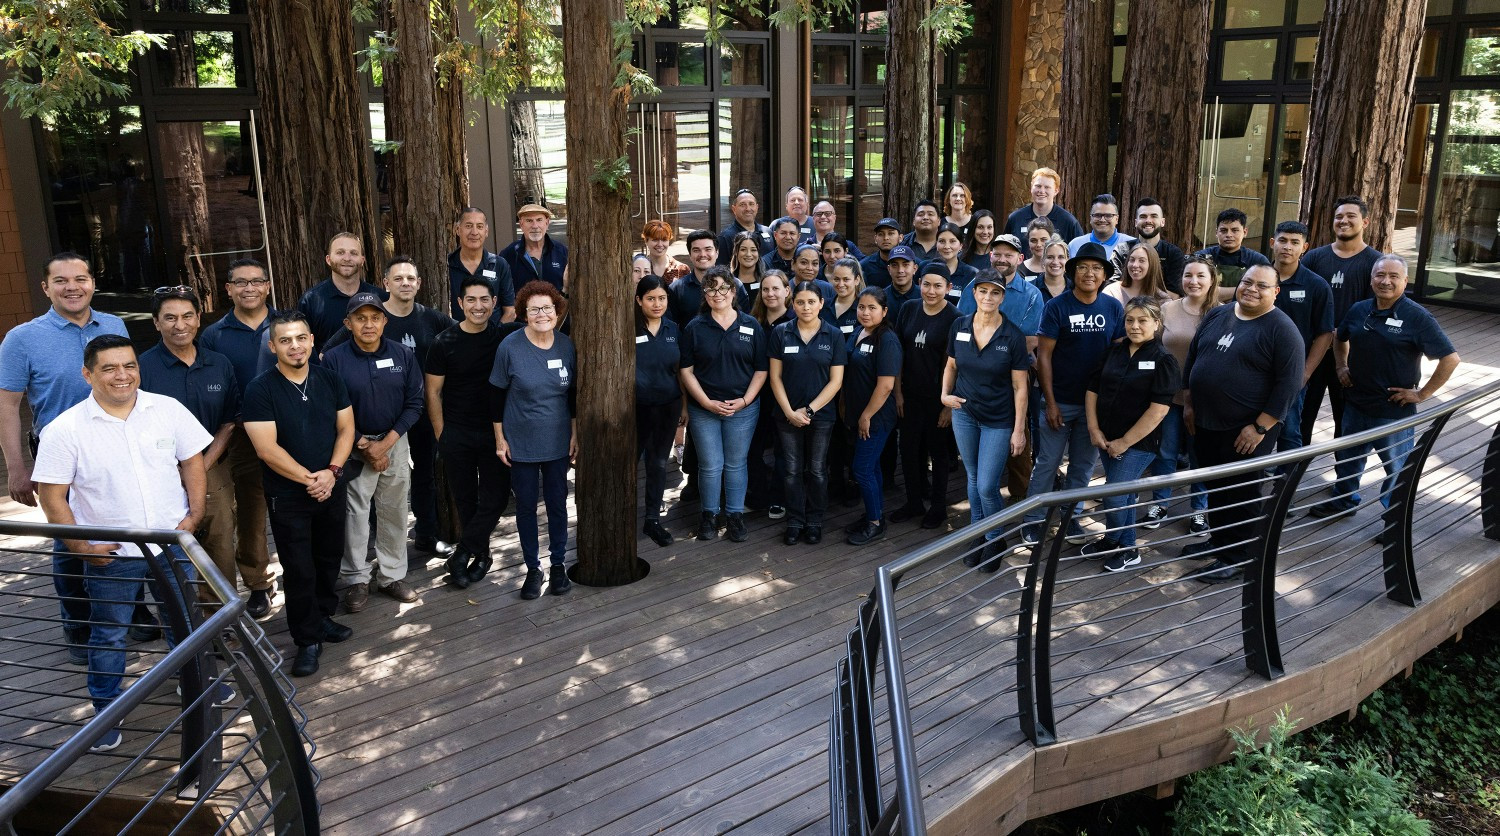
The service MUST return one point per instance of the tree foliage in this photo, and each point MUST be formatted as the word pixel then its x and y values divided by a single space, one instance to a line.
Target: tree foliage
pixel 62 55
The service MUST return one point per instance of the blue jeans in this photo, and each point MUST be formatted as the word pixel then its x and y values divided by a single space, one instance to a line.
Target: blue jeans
pixel 723 446
pixel 1049 446
pixel 984 451
pixel 1291 423
pixel 866 467
pixel 1175 442
pixel 112 590
pixel 1350 464
pixel 1119 509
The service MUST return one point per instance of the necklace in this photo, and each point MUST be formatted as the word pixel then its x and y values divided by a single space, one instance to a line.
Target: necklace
pixel 301 390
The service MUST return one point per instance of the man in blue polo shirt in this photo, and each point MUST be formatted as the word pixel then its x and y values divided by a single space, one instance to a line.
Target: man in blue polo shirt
pixel 876 265
pixel 924 228
pixel 323 304
pixel 472 229
pixel 685 295
pixel 204 382
pixel 796 203
pixel 1378 357
pixel 744 206
pixel 902 269
pixel 786 240
pixel 1308 300
pixel 1077 328
pixel 243 336
pixel 536 255
pixel 42 360
pixel 1104 221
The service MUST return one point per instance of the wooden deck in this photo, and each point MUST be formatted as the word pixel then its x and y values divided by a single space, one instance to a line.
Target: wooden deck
pixel 697 700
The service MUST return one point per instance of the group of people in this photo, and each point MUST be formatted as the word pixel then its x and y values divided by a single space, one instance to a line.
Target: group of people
pixel 1034 350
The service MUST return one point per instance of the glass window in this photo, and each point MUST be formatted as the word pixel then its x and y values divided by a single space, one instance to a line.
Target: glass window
pixel 1117 65
pixel 869 183
pixel 1236 160
pixel 1248 14
pixel 1481 7
pixel 743 17
pixel 680 64
pixel 744 151
pixel 830 64
pixel 1248 60
pixel 872 64
pixel 1310 11
pixel 1289 162
pixel 1439 8
pixel 686 173
pixel 1122 17
pixel 1481 51
pixel 539 157
pixel 1303 52
pixel 1430 52
pixel 873 20
pixel 744 66
pixel 833 158
pixel 203 59
pixel 973 65
pixel 196 7
pixel 209 182
pixel 1464 259
pixel 1411 202
pixel 973 147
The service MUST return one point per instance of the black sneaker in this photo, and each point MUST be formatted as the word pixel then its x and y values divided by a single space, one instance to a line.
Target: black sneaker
pixel 1220 572
pixel 258 606
pixel 812 535
pixel 531 588
pixel 1122 559
pixel 793 534
pixel 558 582
pixel 1100 549
pixel 1332 509
pixel 1199 551
pixel 856 526
pixel 992 551
pixel 907 512
pixel 935 517
pixel 1155 516
pixel 869 533
pixel 735 529
pixel 658 533
pixel 144 632
pixel 707 530
pixel 1198 524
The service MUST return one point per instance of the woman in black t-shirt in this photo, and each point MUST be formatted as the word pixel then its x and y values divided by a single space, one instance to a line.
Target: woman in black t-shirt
pixel 772 307
pixel 1128 395
pixel 659 409
pixel 869 407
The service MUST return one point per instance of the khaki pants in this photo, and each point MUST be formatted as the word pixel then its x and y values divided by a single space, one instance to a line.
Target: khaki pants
pixel 216 533
pixel 250 553
pixel 388 492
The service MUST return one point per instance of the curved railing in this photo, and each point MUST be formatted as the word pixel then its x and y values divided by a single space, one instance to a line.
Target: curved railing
pixel 224 751
pixel 1016 652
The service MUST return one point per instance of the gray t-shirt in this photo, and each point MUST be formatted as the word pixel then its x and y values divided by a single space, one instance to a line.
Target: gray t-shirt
pixel 538 383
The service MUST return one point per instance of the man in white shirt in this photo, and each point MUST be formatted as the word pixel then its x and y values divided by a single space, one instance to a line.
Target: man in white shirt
pixel 120 458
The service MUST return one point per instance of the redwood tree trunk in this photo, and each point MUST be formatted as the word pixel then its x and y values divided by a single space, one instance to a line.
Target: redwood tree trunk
pixel 526 153
pixel 1083 141
pixel 426 171
pixel 318 175
pixel 910 118
pixel 601 300
pixel 1037 111
pixel 1361 106
pixel 1159 121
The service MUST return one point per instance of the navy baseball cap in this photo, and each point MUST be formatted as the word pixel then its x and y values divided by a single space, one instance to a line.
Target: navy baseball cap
pixel 888 223
pixel 903 251
pixel 365 300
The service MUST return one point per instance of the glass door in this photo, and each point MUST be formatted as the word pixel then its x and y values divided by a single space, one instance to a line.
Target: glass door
pixel 1235 168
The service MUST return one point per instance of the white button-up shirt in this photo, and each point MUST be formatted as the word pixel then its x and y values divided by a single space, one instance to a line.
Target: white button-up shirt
pixel 122 473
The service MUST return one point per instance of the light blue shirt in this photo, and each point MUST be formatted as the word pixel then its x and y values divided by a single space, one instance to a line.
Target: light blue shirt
pixel 1022 305
pixel 1107 243
pixel 44 359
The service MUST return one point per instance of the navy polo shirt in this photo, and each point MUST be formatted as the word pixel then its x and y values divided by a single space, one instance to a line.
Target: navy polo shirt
pixel 1386 349
pixel 805 232
pixel 1308 300
pixel 657 357
pixel 847 322
pixel 385 385
pixel 207 388
pixel 495 272
pixel 871 358
pixel 1083 333
pixel 773 261
pixel 1128 384
pixel 876 270
pixel 761 234
pixel 896 299
pixel 923 253
pixel 924 348
pixel 523 268
pixel 724 359
pixel 983 378
pixel 417 330
pixel 806 366
pixel 685 298
pixel 248 349
pixel 325 307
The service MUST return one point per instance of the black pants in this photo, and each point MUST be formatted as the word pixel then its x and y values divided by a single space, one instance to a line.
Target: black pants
pixel 309 539
pixel 923 440
pixel 423 485
pixel 480 483
pixel 764 478
pixel 655 427
pixel 804 466
pixel 1324 378
pixel 549 481
pixel 1232 521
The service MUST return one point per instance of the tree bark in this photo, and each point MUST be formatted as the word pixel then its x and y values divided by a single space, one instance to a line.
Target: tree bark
pixel 910 119
pixel 601 301
pixel 1083 141
pixel 319 177
pixel 187 206
pixel 1037 111
pixel 1363 78
pixel 526 154
pixel 427 171
pixel 1161 120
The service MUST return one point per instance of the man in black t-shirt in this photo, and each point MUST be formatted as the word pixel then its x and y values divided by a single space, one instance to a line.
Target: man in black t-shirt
pixel 300 420
pixel 1149 220
pixel 1232 258
pixel 458 396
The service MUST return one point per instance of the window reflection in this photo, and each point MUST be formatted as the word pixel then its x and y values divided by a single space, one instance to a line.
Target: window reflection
pixel 1464 262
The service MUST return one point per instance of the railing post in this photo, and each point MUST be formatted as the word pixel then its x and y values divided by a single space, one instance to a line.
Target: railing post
pixel 290 769
pixel 1489 487
pixel 1396 552
pixel 171 584
pixel 1258 613
pixel 1034 633
pixel 863 649
pixel 903 747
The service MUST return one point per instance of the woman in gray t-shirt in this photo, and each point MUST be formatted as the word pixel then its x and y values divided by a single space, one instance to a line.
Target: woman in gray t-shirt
pixel 534 379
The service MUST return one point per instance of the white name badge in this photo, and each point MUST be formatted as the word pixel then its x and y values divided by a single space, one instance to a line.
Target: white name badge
pixel 1148 364
pixel 641 339
pixel 1299 295
pixel 866 348
pixel 847 329
pixel 746 329
pixel 1394 323
pixel 963 336
pixel 955 292
pixel 791 349
pixel 554 364
pixel 384 364
pixel 488 274
pixel 753 285
pixel 164 444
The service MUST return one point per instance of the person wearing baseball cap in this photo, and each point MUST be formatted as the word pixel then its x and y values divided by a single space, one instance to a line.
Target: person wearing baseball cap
pixel 385 387
pixel 902 269
pixel 1022 308
pixel 536 255
pixel 887 236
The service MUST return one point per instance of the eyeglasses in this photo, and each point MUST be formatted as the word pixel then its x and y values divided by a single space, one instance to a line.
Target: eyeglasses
pixel 1104 215
pixel 176 288
pixel 721 290
pixel 827 213
pixel 539 311
pixel 1260 287
pixel 244 283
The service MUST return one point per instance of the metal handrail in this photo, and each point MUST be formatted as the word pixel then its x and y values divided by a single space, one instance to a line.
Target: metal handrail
pixel 905 810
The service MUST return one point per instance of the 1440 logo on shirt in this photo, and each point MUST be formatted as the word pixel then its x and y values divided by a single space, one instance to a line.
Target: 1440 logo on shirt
pixel 1086 322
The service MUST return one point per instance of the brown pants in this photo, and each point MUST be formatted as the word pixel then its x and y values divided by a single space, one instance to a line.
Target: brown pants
pixel 238 493
pixel 1018 471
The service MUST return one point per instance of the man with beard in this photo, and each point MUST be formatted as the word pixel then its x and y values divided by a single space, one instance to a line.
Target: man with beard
pixel 1149 220
pixel 924 229
pixel 535 255
pixel 323 304
pixel 826 220
pixel 1348 264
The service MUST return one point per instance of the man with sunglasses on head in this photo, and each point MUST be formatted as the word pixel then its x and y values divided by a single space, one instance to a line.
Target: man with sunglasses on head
pixel 243 335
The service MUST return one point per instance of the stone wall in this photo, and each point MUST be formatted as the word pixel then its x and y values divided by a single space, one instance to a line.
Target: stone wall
pixel 1037 108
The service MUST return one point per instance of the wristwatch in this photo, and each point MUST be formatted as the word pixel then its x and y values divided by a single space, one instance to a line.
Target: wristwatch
pixel 1261 430
pixel 338 472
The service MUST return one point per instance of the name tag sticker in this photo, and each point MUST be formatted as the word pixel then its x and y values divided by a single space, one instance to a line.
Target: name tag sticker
pixel 164 444
pixel 847 329
pixel 754 285
pixel 963 336
pixel 1148 364
pixel 1394 323
pixel 489 274
pixel 746 329
pixel 955 292
pixel 791 349
pixel 1299 295
pixel 866 348
pixel 641 339
pixel 555 363
pixel 385 364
